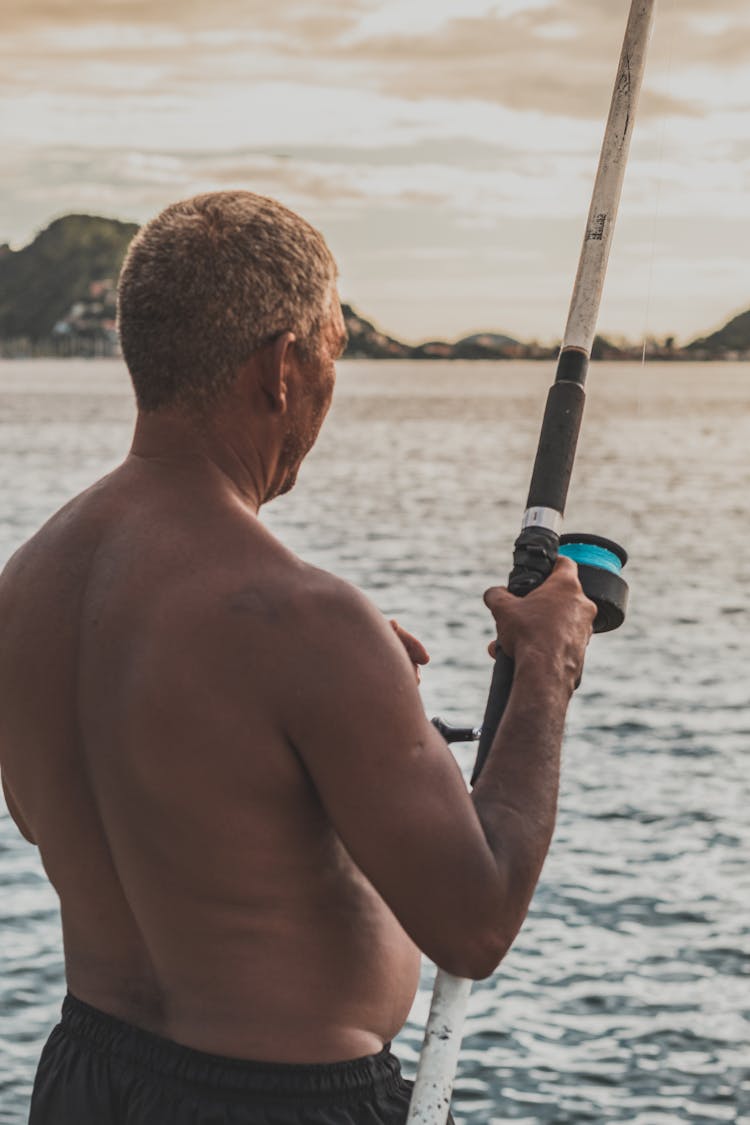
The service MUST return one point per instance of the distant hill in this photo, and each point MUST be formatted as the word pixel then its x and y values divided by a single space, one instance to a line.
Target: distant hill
pixel 488 340
pixel 40 283
pixel 733 337
pixel 368 342
pixel 58 297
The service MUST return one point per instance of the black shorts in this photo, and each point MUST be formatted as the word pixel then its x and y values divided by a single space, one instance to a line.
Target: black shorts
pixel 97 1070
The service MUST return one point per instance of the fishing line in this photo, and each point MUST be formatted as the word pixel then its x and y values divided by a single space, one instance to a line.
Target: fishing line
pixel 592 554
pixel 659 185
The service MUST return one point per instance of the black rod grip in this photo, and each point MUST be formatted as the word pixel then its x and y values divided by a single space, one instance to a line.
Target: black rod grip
pixel 536 547
pixel 556 451
pixel 497 701
pixel 534 556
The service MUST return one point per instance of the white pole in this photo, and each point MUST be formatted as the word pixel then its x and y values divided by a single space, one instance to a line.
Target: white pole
pixel 605 201
pixel 431 1096
pixel 430 1101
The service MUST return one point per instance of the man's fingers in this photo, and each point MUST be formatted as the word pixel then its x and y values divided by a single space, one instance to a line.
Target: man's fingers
pixel 496 597
pixel 565 565
pixel 415 650
pixel 566 570
pixel 557 612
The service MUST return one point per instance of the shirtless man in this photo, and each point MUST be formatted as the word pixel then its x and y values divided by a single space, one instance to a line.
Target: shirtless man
pixel 220 751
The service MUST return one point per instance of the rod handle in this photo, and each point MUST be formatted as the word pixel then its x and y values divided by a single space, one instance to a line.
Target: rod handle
pixel 497 701
pixel 534 556
pixel 558 438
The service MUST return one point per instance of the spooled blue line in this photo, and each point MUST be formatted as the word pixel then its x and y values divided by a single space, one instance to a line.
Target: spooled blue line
pixel 590 555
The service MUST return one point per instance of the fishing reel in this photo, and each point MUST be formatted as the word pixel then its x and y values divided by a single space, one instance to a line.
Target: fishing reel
pixel 600 564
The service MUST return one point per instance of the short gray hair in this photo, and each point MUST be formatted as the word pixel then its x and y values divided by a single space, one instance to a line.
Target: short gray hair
pixel 208 282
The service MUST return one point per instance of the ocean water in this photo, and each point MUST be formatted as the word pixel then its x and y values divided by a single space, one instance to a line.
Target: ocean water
pixel 626 997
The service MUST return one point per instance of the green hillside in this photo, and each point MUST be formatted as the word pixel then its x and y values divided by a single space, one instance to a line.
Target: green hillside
pixel 39 283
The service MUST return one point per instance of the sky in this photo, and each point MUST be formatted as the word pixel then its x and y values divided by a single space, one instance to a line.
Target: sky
pixel 446 148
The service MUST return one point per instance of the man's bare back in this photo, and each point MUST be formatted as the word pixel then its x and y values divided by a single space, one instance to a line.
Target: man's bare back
pixel 146 668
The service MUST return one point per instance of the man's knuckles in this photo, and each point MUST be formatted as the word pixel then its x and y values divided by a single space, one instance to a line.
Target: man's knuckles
pixel 565 565
pixel 565 574
pixel 496 597
pixel 591 607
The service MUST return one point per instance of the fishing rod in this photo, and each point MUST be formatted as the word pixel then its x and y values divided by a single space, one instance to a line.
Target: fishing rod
pixel 600 561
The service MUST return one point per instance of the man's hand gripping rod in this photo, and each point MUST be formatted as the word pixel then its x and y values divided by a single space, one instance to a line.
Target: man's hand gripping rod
pixel 537 546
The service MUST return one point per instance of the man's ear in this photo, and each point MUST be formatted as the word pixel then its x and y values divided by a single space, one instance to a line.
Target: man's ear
pixel 274 372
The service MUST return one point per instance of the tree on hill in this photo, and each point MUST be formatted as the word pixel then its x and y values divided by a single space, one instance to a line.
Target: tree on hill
pixel 39 283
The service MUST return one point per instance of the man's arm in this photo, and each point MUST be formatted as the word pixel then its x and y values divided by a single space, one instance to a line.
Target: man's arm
pixel 458 872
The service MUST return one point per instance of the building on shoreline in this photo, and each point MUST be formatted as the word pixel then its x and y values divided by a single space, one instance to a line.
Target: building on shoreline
pixel 88 330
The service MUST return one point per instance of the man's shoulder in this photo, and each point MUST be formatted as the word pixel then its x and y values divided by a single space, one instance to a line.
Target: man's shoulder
pixel 289 586
pixel 326 597
pixel 266 594
pixel 54 544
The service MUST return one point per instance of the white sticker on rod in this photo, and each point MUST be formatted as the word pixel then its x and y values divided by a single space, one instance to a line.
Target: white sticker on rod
pixel 543 517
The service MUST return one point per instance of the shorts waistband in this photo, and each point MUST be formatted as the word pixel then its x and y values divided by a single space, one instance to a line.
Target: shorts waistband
pixel 171 1060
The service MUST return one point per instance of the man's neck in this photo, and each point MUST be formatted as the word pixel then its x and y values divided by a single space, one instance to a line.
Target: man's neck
pixel 174 442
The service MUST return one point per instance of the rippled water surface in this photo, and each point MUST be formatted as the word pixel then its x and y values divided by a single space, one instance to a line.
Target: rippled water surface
pixel 626 997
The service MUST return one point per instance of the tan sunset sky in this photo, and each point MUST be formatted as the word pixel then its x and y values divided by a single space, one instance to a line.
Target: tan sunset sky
pixel 446 148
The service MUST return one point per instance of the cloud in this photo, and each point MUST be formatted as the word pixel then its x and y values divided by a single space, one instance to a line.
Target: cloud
pixel 310 18
pixel 165 47
pixel 554 58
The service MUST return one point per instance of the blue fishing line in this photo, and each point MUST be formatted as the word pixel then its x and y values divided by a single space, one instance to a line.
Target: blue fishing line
pixel 590 555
